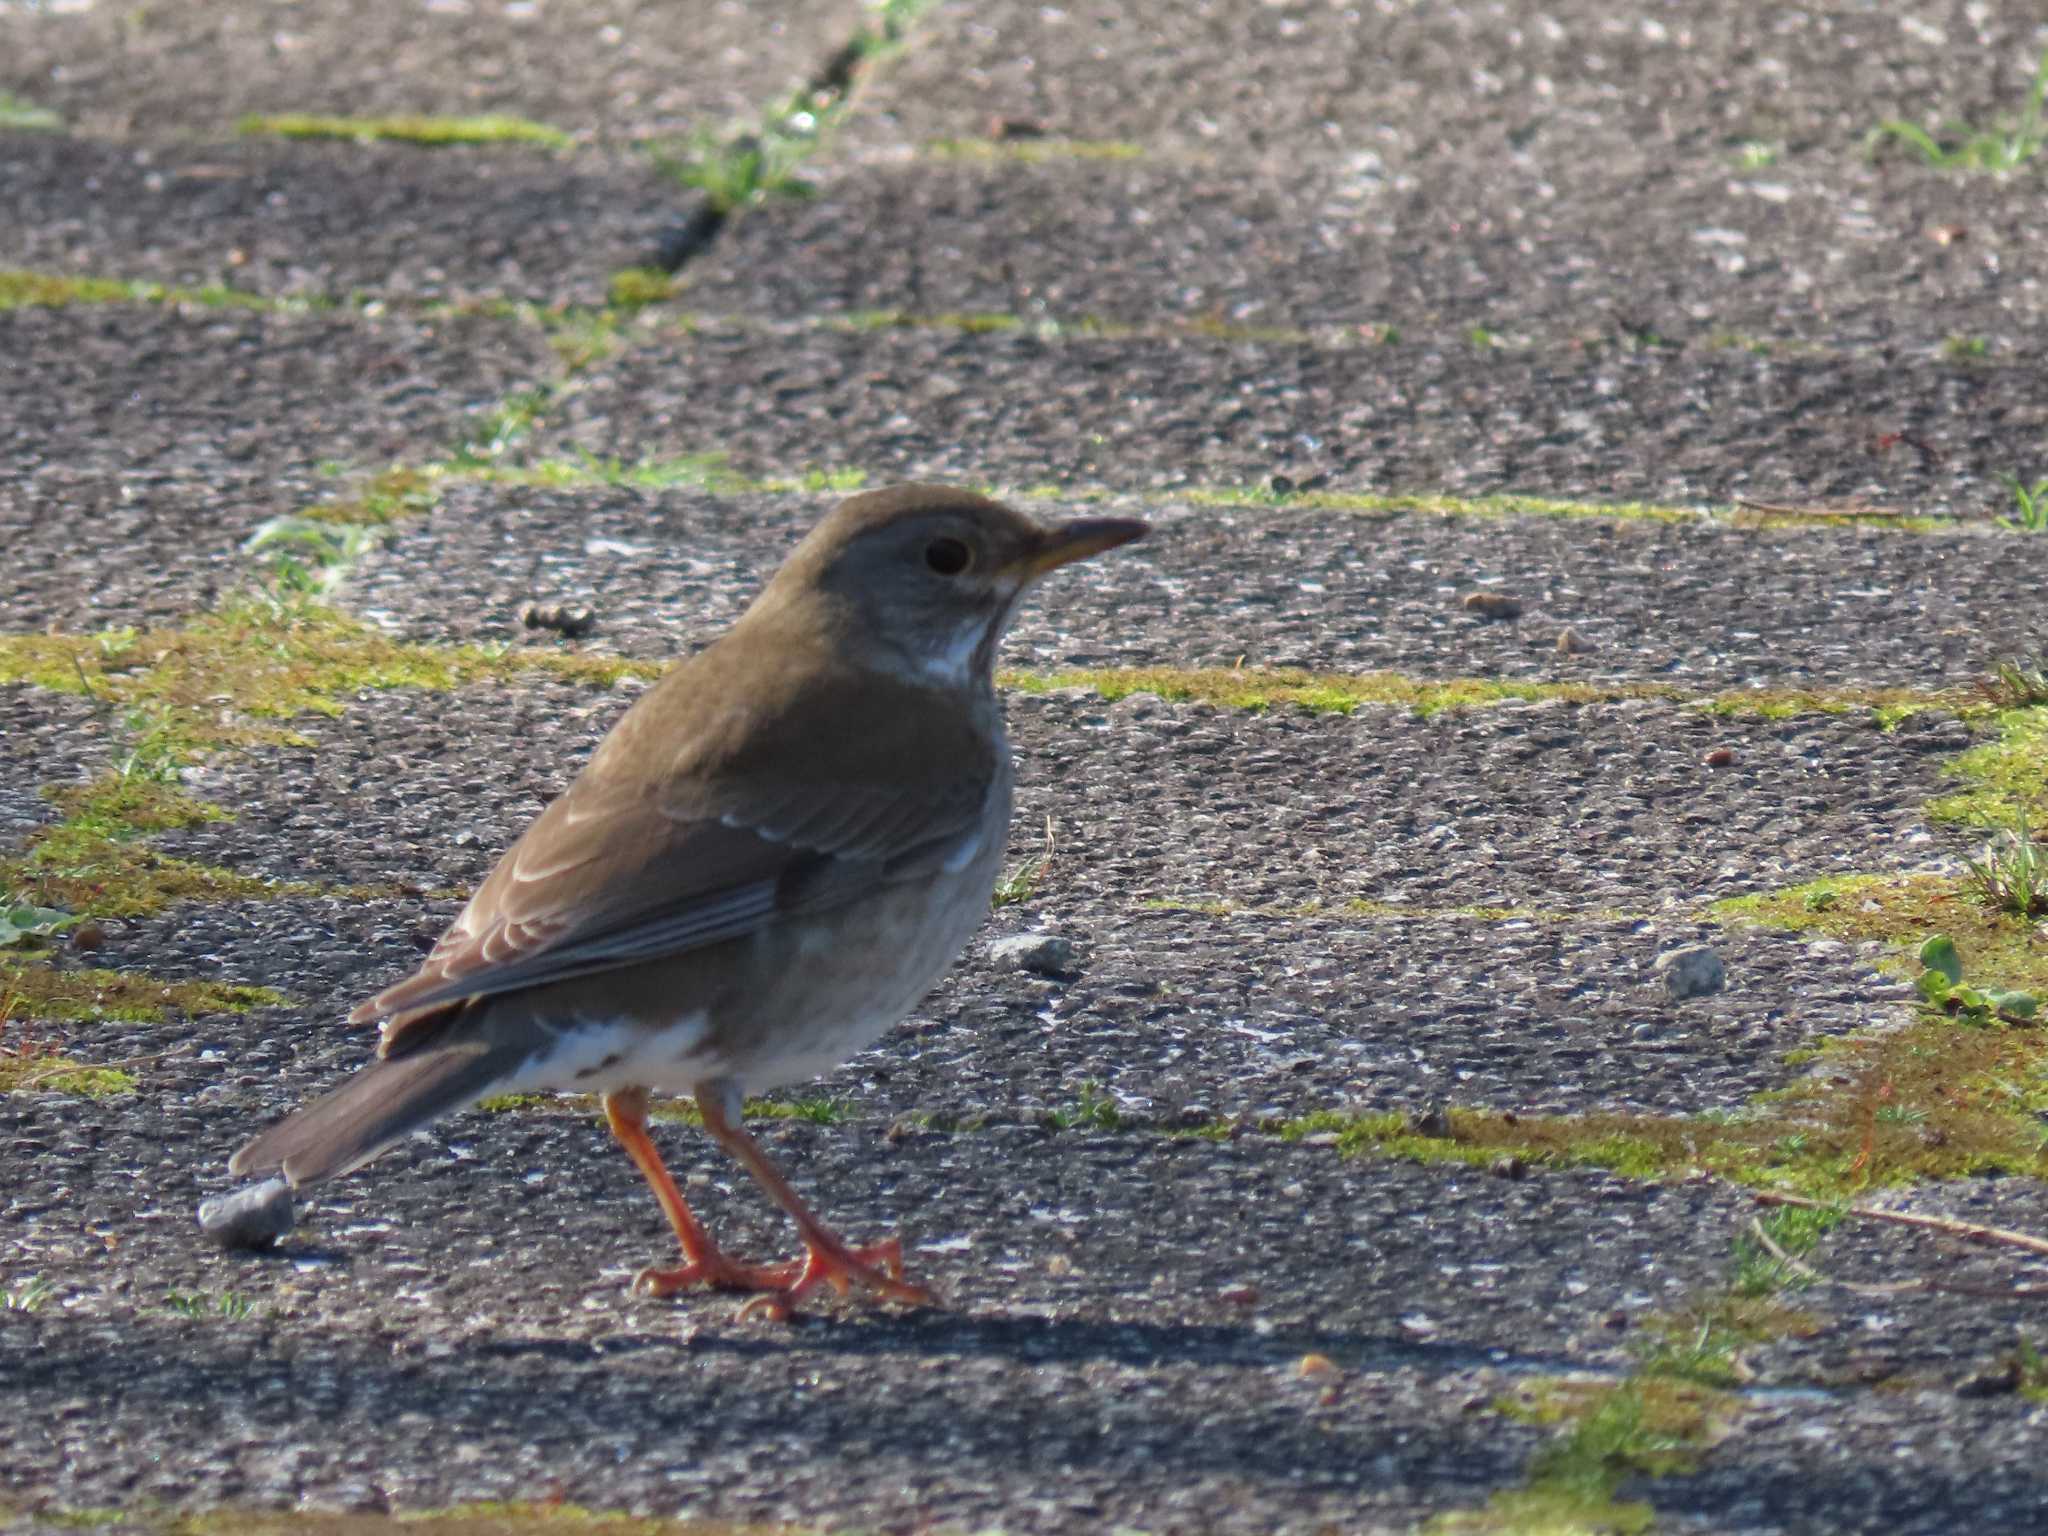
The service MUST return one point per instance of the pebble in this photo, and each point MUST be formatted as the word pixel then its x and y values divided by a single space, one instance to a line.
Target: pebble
pixel 1693 971
pixel 1044 954
pixel 251 1219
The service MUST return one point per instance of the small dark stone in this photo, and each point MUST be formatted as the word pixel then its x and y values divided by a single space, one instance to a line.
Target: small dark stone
pixel 1997 1379
pixel 568 620
pixel 1044 954
pixel 250 1219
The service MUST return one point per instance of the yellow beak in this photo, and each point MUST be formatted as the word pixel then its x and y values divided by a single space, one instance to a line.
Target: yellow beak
pixel 1077 541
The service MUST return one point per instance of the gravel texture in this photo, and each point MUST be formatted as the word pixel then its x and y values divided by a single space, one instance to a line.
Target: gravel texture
pixel 1791 257
pixel 142 444
pixel 1440 415
pixel 1700 605
pixel 335 221
pixel 622 68
pixel 1575 84
pixel 1143 1330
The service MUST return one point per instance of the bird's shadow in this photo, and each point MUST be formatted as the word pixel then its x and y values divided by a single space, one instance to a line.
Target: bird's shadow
pixel 1033 1339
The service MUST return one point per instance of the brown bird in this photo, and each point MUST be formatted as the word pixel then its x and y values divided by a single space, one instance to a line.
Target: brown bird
pixel 768 862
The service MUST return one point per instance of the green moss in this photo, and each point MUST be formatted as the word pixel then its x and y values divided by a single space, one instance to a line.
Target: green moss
pixel 1546 1510
pixel 2007 778
pixel 1034 151
pixel 1935 1100
pixel 60 1074
pixel 91 862
pixel 20 115
pixel 48 290
pixel 33 990
pixel 635 287
pixel 216 681
pixel 1901 912
pixel 390 497
pixel 1342 693
pixel 432 132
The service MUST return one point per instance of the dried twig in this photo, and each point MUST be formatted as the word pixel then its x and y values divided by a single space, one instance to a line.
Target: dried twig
pixel 1924 1285
pixel 1969 1230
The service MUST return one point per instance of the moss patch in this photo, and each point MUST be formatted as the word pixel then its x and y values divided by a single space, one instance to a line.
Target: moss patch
pixel 1936 1100
pixel 49 290
pixel 60 1074
pixel 1902 912
pixel 31 989
pixel 23 116
pixel 2007 778
pixel 218 680
pixel 1643 1427
pixel 432 132
pixel 386 498
pixel 1034 151
pixel 1342 693
pixel 91 862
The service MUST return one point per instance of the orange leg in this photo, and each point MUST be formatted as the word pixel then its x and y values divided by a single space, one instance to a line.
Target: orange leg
pixel 877 1267
pixel 702 1263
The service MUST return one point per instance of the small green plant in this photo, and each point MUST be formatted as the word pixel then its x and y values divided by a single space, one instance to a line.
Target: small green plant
pixel 1941 984
pixel 1966 349
pixel 1963 148
pixel 2012 875
pixel 1094 1109
pixel 28 1295
pixel 2033 1370
pixel 23 922
pixel 2017 684
pixel 1756 154
pixel 498 430
pixel 1793 1231
pixel 2029 505
pixel 751 166
pixel 20 114
pixel 1022 882
pixel 198 1304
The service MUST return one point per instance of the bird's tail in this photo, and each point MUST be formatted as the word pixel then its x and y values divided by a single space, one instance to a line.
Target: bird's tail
pixel 378 1107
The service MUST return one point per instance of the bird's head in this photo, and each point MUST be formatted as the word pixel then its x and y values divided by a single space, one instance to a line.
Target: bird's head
pixel 922 580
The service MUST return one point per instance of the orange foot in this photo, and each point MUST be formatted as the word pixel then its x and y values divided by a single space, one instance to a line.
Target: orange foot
pixel 827 1261
pixel 715 1272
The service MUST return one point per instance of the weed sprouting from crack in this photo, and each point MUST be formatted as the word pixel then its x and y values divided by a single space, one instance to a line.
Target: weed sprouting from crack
pixel 2030 505
pixel 2011 874
pixel 1963 148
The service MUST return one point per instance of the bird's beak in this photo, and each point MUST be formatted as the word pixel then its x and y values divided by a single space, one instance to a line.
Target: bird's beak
pixel 1076 541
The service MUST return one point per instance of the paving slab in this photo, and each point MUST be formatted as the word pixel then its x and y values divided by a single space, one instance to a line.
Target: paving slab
pixel 1703 605
pixel 331 221
pixel 1623 251
pixel 1129 1317
pixel 619 69
pixel 1454 418
pixel 1318 997
pixel 142 443
pixel 1265 83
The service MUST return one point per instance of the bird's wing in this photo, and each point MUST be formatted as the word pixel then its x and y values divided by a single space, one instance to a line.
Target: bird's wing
pixel 598 882
pixel 632 864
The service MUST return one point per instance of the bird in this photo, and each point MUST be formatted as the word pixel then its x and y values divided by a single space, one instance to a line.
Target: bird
pixel 767 863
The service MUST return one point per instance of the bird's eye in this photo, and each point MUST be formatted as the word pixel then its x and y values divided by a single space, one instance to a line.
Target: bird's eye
pixel 949 557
